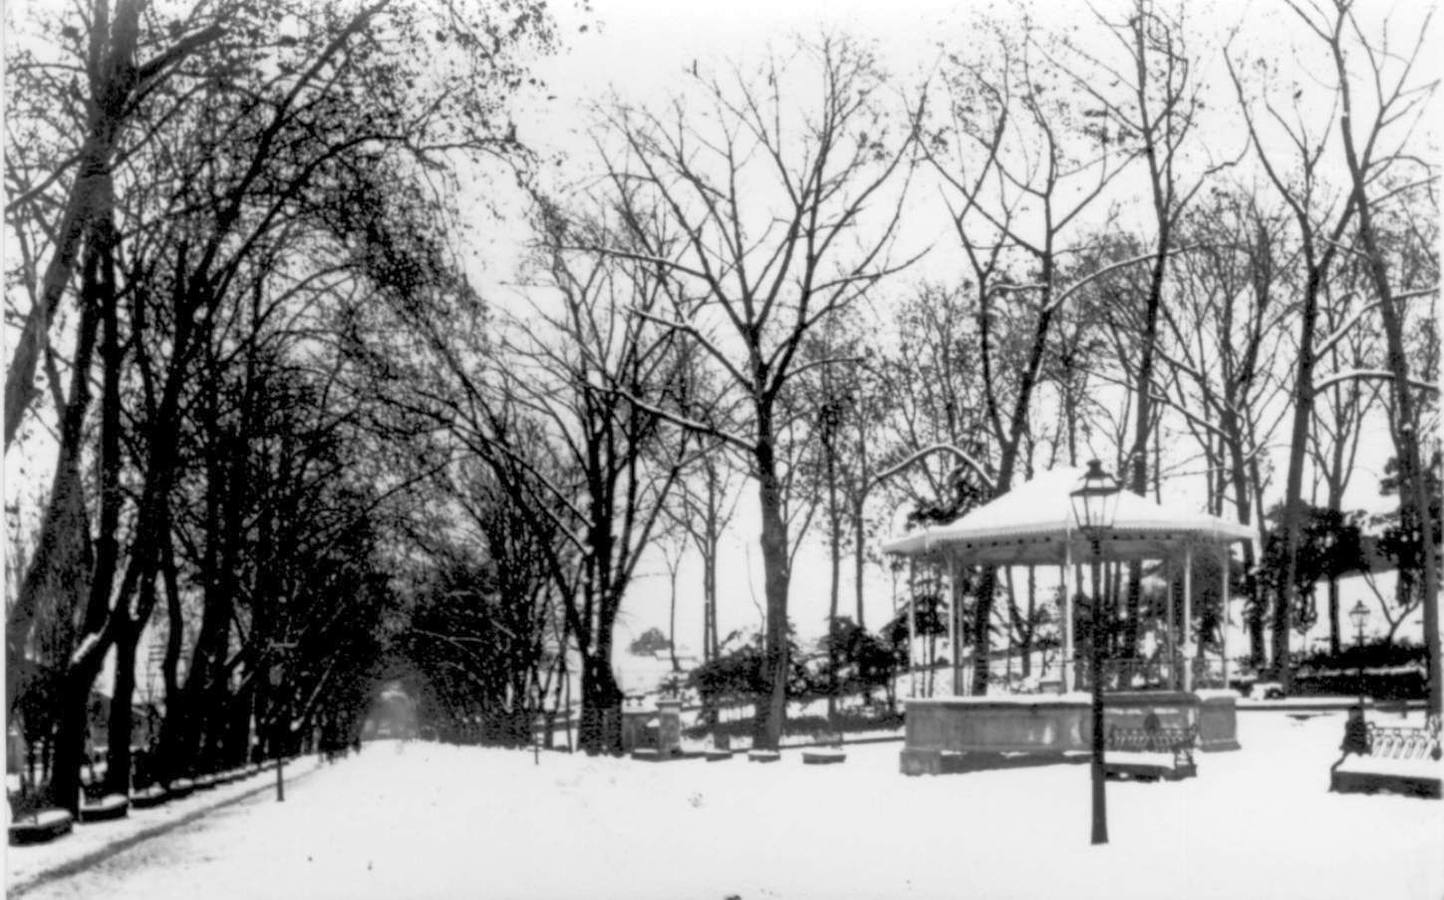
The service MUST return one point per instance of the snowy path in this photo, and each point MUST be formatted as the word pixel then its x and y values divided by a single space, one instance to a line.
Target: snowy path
pixel 429 821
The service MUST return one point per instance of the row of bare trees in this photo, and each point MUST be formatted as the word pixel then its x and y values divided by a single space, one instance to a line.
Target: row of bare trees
pixel 198 203
pixel 1085 324
pixel 280 410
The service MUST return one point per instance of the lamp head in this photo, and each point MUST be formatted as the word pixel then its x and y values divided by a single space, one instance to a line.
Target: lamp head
pixel 1359 614
pixel 1095 502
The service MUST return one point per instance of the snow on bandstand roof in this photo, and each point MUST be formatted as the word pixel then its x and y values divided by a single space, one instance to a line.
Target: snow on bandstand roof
pixel 1033 524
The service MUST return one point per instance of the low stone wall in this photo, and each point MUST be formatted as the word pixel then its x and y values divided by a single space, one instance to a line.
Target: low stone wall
pixel 940 731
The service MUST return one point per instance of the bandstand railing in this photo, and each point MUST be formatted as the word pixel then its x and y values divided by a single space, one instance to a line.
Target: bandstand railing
pixel 1153 674
pixel 1129 674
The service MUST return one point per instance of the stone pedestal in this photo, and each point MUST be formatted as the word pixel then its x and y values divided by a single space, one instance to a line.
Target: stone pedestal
pixel 634 728
pixel 1217 720
pixel 669 727
pixel 658 731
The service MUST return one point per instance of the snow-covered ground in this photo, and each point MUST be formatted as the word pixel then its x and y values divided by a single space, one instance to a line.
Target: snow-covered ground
pixel 422 820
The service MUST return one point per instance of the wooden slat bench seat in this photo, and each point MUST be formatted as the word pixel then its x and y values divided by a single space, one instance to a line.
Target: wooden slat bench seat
pixel 1399 759
pixel 1151 753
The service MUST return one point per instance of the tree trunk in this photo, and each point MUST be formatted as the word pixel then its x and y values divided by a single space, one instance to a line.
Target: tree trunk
pixel 834 526
pixel 600 730
pixel 772 705
pixel 859 557
pixel 1291 523
pixel 1027 633
pixel 117 776
pixel 72 726
pixel 672 622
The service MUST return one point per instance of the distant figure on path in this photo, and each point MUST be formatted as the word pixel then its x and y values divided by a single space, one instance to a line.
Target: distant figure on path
pixel 1356 736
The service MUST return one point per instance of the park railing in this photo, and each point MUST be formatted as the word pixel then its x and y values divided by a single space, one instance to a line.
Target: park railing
pixel 1208 672
pixel 1152 674
pixel 1133 674
pixel 942 681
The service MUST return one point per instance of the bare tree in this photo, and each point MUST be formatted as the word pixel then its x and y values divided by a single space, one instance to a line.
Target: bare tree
pixel 1342 407
pixel 785 217
pixel 1020 163
pixel 122 68
pixel 1386 99
pixel 705 498
pixel 1321 224
pixel 1155 110
pixel 1374 143
pixel 1222 362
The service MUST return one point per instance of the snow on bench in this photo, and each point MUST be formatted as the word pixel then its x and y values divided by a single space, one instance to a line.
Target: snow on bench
pixel 150 796
pixel 40 826
pixel 1402 759
pixel 1151 752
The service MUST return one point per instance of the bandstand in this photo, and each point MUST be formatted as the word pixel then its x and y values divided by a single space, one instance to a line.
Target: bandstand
pixel 1033 526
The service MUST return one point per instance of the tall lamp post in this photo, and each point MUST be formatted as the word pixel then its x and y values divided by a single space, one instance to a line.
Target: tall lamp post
pixel 1359 614
pixel 1094 505
pixel 278 677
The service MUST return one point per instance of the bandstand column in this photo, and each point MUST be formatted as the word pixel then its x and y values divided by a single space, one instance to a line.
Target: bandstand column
pixel 1187 616
pixel 1171 636
pixel 1224 559
pixel 912 625
pixel 953 623
pixel 1069 675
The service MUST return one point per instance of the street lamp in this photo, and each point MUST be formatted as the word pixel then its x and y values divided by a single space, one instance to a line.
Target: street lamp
pixel 1094 505
pixel 1360 614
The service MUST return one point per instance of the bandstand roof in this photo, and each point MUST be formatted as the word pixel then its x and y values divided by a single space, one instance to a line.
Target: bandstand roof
pixel 1033 525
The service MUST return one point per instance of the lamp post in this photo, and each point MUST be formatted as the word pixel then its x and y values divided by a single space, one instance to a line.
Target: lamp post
pixel 1094 505
pixel 277 676
pixel 1359 614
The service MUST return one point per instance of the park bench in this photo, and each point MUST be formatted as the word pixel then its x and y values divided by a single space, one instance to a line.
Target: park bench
pixel 828 750
pixel 1152 752
pixel 1400 759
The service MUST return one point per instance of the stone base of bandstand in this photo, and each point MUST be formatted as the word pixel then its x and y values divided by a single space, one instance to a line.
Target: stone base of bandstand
pixel 956 734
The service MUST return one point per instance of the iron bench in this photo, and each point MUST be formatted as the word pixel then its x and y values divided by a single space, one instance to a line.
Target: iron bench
pixel 1402 759
pixel 1150 753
